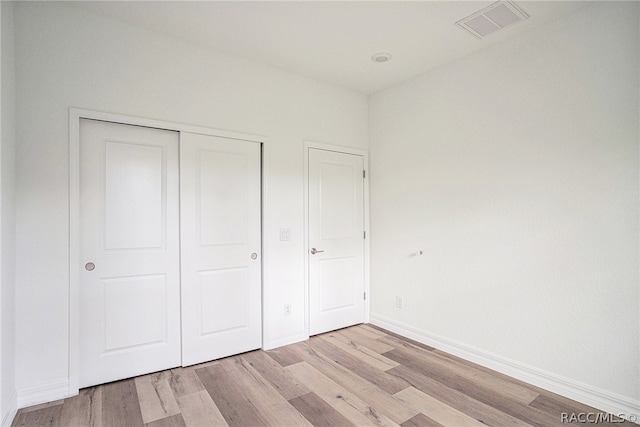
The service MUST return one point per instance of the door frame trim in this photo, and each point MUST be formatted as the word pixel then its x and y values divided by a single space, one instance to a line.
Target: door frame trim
pixel 75 115
pixel 345 150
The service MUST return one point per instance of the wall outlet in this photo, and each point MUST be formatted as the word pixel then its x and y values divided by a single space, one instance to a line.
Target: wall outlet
pixel 287 309
pixel 399 303
pixel 285 235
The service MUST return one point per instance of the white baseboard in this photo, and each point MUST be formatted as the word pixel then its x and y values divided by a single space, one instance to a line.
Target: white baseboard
pixel 42 393
pixel 603 400
pixel 9 413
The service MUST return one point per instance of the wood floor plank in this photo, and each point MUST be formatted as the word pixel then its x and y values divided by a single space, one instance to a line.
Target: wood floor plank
pixel 346 403
pixel 43 416
pixel 85 409
pixel 264 397
pixel 156 397
pixel 184 381
pixel 517 390
pixel 478 391
pixel 357 335
pixel 43 405
pixel 438 411
pixel 557 405
pixel 421 420
pixel 372 329
pixel 446 356
pixel 363 389
pixel 388 334
pixel 365 355
pixel 318 412
pixel 399 343
pixel 120 405
pixel 205 364
pixel 475 409
pixel 171 421
pixel 467 373
pixel 501 401
pixel 284 356
pixel 198 409
pixel 273 372
pixel 389 383
pixel 227 394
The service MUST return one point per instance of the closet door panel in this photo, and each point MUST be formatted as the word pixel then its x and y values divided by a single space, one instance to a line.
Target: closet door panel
pixel 129 251
pixel 220 189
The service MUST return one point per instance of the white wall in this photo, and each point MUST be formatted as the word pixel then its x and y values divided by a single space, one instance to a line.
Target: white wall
pixel 7 217
pixel 515 170
pixel 67 57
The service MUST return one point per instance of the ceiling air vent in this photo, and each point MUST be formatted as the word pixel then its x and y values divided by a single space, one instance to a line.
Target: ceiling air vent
pixel 495 17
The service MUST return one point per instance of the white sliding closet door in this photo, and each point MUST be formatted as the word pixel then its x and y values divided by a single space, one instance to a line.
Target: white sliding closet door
pixel 129 251
pixel 220 247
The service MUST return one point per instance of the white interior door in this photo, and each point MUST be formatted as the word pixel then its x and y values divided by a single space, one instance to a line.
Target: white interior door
pixel 221 247
pixel 129 248
pixel 336 240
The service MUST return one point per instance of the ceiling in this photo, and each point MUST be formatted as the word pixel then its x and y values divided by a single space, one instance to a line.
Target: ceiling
pixel 332 41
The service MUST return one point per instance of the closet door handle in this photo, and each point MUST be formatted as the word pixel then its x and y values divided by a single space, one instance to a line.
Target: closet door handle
pixel 315 251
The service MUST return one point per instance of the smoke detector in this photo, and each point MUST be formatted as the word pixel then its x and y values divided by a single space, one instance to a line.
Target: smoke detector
pixel 495 17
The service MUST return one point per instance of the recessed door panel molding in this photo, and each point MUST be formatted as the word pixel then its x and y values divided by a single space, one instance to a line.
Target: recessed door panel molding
pixel 129 276
pixel 123 298
pixel 134 178
pixel 230 285
pixel 219 179
pixel 336 249
pixel 220 187
pixel 334 272
pixel 345 222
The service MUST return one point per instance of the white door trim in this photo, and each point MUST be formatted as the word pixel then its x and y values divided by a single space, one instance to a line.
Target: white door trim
pixel 75 114
pixel 347 150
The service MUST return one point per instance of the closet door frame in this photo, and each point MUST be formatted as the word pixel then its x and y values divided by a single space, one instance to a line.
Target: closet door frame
pixel 75 115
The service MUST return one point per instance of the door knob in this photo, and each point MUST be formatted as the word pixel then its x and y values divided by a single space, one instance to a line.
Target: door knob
pixel 89 266
pixel 254 255
pixel 315 251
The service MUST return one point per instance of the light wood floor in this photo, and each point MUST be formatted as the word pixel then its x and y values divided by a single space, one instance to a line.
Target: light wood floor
pixel 356 376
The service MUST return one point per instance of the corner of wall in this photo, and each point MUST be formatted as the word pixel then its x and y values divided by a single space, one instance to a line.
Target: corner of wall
pixel 8 394
pixel 9 412
pixel 45 392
